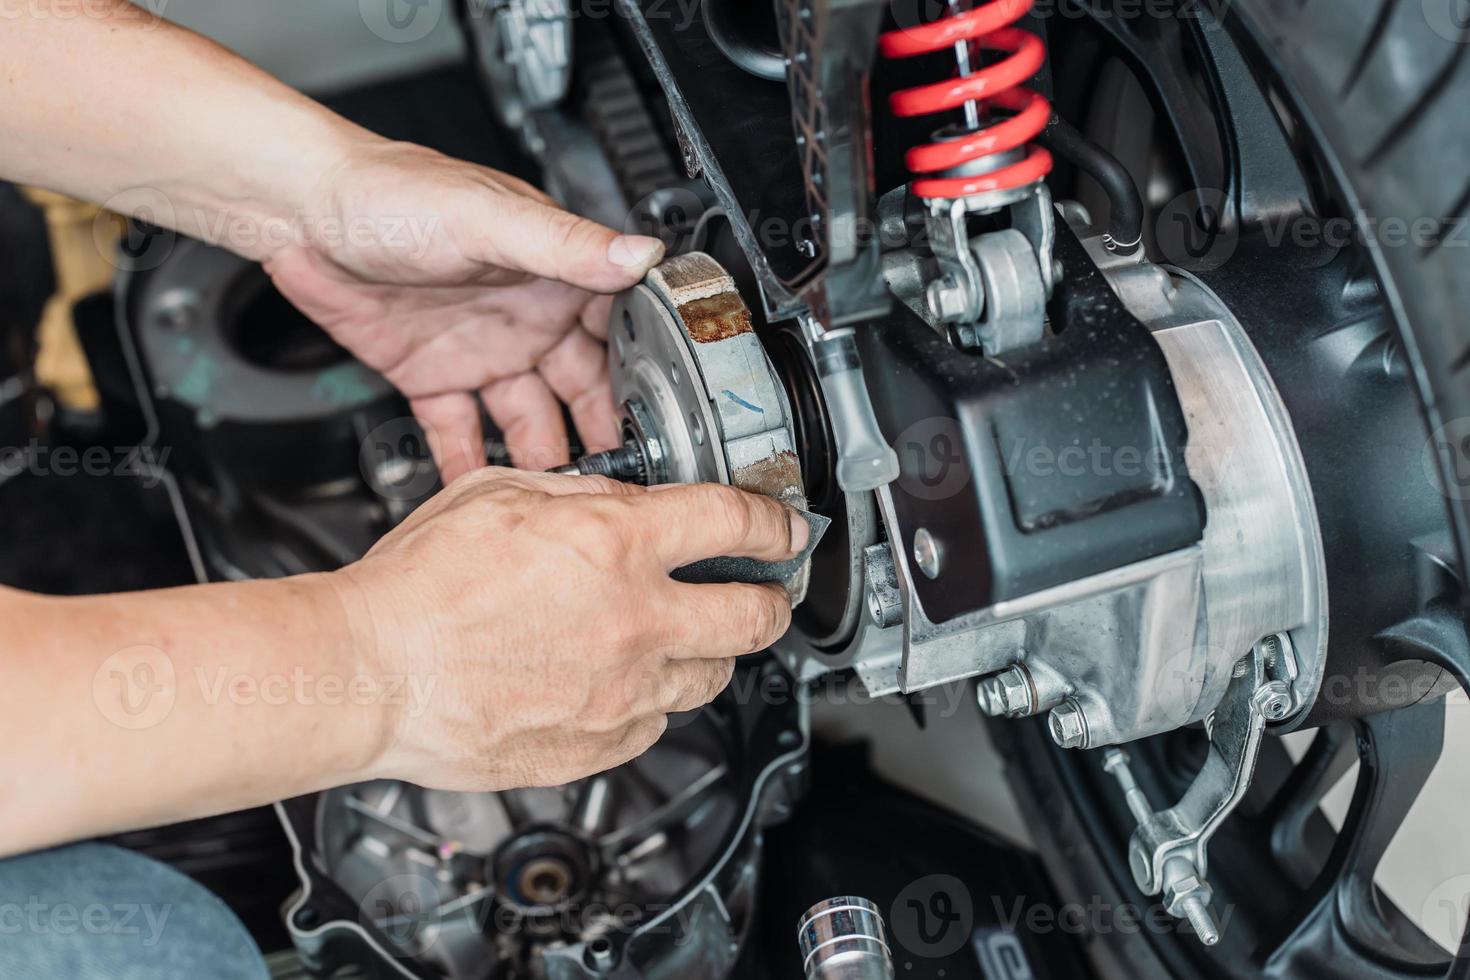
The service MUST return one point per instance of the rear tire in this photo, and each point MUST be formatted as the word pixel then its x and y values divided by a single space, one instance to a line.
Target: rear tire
pixel 1382 93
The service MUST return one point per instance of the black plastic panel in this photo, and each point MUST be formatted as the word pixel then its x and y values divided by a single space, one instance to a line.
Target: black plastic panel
pixel 1047 465
pixel 747 122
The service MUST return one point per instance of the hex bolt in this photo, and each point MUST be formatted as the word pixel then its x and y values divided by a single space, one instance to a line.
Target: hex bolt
pixel 1068 725
pixel 989 696
pixel 1017 694
pixel 947 300
pixel 927 553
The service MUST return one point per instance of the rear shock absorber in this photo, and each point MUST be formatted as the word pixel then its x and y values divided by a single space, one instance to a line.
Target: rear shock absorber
pixel 993 287
pixel 982 158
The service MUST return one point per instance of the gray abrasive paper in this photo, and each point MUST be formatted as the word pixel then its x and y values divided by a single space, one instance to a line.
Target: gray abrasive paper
pixel 711 571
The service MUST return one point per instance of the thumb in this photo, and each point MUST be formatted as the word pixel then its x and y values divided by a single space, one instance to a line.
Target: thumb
pixel 546 241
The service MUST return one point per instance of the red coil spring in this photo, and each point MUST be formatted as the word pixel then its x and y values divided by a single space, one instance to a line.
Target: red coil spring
pixel 988 27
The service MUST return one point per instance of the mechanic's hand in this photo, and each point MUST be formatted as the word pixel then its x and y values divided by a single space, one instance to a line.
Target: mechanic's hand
pixel 462 284
pixel 542 608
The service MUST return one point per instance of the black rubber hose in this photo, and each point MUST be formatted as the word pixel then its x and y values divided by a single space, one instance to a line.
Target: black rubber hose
pixel 1125 224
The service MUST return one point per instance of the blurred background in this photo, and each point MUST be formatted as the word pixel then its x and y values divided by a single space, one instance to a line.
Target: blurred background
pixel 325 46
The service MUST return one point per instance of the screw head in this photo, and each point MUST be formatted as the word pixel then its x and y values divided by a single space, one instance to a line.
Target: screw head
pixel 1068 726
pixel 927 553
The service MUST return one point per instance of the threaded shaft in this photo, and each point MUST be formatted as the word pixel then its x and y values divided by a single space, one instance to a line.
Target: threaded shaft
pixel 1198 914
pixel 625 465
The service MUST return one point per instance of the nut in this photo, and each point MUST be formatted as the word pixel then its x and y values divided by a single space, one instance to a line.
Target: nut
pixel 1176 893
pixel 1068 725
pixel 1274 700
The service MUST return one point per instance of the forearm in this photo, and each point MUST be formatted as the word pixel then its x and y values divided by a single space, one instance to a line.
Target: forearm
pixel 110 103
pixel 134 710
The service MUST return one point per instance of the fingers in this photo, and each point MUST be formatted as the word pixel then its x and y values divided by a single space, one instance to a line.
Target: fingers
pixel 547 241
pixel 576 371
pixel 690 684
pixel 722 621
pixel 595 316
pixel 452 425
pixel 637 739
pixel 706 520
pixel 529 416
pixel 553 484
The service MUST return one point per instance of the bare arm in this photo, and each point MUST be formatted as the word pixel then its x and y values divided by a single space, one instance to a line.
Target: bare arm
pixel 105 98
pixel 128 711
pixel 519 629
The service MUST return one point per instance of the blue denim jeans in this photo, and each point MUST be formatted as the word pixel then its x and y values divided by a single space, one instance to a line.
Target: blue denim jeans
pixel 98 912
